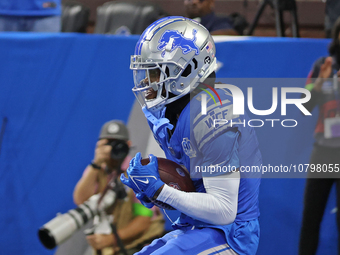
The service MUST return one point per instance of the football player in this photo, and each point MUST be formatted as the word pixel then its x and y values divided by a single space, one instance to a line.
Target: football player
pixel 174 70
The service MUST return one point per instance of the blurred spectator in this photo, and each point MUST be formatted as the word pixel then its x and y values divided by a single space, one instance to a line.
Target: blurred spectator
pixel 323 83
pixel 332 13
pixel 136 224
pixel 30 15
pixel 203 12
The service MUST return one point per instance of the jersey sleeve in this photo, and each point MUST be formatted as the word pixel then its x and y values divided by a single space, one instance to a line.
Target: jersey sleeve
pixel 215 138
pixel 220 156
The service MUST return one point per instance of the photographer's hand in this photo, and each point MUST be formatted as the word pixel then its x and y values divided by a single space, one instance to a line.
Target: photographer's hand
pixel 89 185
pixel 100 241
pixel 102 153
pixel 324 73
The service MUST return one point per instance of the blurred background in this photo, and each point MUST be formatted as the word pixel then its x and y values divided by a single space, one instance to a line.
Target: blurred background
pixel 311 14
pixel 57 90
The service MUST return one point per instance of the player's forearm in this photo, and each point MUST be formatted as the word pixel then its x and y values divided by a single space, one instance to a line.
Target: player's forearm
pixel 218 206
pixel 86 186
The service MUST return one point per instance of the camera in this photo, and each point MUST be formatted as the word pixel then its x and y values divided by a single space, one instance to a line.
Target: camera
pixel 120 149
pixel 64 225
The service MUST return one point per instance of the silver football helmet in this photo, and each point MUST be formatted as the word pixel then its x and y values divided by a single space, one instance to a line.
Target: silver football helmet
pixel 172 57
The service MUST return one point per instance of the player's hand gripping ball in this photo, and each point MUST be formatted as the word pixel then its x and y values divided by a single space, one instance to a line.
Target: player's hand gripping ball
pixel 146 176
pixel 143 179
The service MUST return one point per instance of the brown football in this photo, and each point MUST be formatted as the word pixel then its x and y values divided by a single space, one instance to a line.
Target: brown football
pixel 174 176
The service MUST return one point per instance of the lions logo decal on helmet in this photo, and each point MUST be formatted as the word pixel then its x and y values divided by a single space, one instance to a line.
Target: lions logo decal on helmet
pixel 179 41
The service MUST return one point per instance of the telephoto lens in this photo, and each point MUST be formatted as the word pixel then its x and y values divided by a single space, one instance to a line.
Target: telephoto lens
pixel 64 225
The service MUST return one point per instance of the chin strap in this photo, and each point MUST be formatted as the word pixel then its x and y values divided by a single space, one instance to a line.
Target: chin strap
pixel 159 125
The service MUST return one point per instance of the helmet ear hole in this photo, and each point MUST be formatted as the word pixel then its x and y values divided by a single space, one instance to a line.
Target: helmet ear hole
pixel 187 71
pixel 195 63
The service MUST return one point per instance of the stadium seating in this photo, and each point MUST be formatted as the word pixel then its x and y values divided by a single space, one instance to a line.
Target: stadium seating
pixel 126 17
pixel 75 17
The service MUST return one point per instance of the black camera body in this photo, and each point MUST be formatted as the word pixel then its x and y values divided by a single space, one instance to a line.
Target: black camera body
pixel 120 149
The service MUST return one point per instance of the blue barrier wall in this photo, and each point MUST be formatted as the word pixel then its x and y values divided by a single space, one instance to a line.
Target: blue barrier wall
pixel 57 91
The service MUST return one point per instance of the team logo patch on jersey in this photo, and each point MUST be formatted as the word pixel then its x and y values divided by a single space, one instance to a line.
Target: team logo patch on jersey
pixel 188 148
pixel 178 41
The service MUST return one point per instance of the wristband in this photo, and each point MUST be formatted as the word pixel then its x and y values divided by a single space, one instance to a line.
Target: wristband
pixel 95 166
pixel 157 193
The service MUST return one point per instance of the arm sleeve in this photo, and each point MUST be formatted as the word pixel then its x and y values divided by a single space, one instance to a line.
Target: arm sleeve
pixel 218 206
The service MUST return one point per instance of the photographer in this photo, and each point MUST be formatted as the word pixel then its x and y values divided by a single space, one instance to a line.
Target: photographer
pixel 204 13
pixel 323 83
pixel 135 224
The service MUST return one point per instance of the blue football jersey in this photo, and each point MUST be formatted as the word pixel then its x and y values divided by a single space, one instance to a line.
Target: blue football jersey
pixel 224 141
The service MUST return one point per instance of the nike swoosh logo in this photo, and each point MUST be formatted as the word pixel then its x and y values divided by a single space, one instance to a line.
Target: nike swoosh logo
pixel 146 181
pixel 142 179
